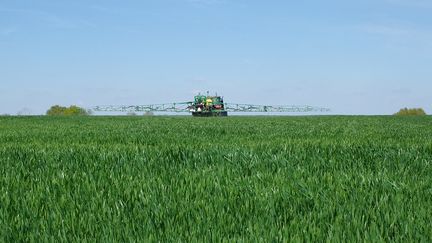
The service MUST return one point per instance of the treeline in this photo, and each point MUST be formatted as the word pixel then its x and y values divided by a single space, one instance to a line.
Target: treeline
pixel 74 110
pixel 67 111
pixel 411 112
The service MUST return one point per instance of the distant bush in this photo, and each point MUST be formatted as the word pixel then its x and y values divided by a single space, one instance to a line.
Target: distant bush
pixel 411 112
pixel 67 111
pixel 131 114
pixel 148 113
pixel 24 112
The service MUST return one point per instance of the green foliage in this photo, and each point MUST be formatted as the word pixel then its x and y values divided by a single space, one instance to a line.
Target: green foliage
pixel 67 111
pixel 411 112
pixel 239 179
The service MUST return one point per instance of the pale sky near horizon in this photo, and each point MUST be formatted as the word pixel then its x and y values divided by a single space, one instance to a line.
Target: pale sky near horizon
pixel 355 57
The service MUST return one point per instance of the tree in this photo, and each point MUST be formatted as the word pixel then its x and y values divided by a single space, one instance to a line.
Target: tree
pixel 73 110
pixel 56 110
pixel 411 112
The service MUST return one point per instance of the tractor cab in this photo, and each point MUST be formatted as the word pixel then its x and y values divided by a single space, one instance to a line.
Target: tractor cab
pixel 205 105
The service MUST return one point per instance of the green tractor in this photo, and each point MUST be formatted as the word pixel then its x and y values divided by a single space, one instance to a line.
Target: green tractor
pixel 207 106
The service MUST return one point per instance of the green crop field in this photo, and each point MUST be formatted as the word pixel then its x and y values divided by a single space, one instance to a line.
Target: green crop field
pixel 204 179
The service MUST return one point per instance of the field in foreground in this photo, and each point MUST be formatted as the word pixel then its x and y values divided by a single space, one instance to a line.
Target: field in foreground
pixel 236 178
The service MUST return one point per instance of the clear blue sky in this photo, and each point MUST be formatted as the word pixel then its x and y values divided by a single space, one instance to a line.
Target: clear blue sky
pixel 356 57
